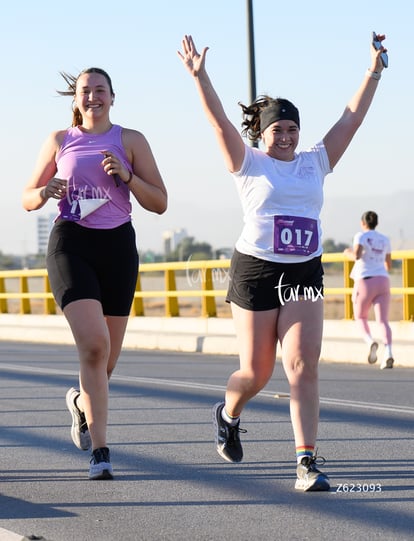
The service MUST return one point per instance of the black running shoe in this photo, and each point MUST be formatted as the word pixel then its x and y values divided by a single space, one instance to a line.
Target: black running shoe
pixel 100 467
pixel 387 363
pixel 310 479
pixel 227 437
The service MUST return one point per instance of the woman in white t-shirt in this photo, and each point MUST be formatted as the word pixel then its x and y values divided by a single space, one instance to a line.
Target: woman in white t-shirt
pixel 372 253
pixel 276 275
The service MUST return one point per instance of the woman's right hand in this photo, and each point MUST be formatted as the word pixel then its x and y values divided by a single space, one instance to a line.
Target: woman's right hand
pixel 55 189
pixel 192 60
pixel 230 142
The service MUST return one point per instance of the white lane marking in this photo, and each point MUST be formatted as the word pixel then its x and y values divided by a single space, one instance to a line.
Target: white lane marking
pixel 209 387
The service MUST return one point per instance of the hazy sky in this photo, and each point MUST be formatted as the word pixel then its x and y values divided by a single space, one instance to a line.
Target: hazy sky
pixel 314 53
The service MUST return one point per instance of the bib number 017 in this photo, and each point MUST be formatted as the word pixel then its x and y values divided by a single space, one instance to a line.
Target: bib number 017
pixel 295 235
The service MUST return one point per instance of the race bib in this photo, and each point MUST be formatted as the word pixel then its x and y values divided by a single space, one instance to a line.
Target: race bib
pixel 78 208
pixel 295 235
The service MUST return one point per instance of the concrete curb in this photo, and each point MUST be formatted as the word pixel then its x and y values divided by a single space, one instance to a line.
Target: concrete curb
pixel 6 535
pixel 341 341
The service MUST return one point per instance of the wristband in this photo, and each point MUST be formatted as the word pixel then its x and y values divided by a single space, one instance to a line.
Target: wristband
pixel 373 74
pixel 131 174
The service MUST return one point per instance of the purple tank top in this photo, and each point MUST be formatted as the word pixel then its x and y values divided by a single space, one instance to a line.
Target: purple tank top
pixel 93 197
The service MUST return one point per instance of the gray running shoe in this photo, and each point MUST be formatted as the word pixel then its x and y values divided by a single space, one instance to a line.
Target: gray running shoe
pixel 310 479
pixel 226 436
pixel 372 355
pixel 79 431
pixel 100 466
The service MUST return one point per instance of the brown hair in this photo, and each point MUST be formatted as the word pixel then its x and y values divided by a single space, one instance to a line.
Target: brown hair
pixel 370 218
pixel 252 114
pixel 71 81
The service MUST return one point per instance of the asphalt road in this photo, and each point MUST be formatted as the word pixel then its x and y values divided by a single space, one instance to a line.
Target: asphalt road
pixel 171 485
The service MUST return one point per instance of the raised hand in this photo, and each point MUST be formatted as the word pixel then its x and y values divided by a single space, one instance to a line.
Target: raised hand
pixel 192 60
pixel 376 63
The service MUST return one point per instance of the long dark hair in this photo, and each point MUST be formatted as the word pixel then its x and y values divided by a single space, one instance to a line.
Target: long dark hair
pixel 71 81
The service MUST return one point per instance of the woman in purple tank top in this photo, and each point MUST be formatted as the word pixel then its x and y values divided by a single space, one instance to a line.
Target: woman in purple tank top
pixel 91 169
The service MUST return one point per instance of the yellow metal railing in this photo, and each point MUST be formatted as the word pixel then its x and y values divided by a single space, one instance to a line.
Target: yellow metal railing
pixel 26 286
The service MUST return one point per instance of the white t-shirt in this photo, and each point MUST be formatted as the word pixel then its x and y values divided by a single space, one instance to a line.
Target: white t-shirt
pixel 372 262
pixel 281 203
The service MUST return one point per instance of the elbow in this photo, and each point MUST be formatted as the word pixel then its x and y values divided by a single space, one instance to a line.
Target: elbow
pixel 157 203
pixel 26 205
pixel 162 207
pixel 29 200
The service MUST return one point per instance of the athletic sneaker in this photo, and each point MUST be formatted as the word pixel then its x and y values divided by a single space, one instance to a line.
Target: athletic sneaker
pixel 387 363
pixel 79 431
pixel 227 437
pixel 372 355
pixel 100 467
pixel 310 479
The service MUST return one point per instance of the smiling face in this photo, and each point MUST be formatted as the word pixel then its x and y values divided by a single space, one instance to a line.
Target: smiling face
pixel 281 139
pixel 93 98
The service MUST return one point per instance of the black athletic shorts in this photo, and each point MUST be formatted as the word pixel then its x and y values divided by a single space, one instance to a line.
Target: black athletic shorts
pixel 256 284
pixel 101 264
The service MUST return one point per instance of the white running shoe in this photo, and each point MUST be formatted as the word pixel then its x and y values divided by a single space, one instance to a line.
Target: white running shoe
pixel 79 431
pixel 372 355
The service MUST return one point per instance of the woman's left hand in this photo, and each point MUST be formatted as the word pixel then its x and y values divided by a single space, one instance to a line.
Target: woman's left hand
pixel 376 62
pixel 112 166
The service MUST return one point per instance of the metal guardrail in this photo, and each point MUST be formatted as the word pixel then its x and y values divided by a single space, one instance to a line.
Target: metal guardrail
pixel 206 272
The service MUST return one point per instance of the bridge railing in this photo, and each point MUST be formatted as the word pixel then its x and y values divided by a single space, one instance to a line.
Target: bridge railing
pixel 27 286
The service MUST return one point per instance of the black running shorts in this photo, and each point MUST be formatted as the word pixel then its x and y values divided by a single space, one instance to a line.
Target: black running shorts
pixel 101 264
pixel 257 285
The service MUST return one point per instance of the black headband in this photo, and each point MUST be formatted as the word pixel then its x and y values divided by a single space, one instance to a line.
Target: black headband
pixel 278 111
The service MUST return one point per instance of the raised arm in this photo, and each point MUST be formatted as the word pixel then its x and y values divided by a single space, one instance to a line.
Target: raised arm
pixel 229 139
pixel 340 135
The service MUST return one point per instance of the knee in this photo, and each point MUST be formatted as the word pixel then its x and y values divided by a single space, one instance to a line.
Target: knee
pixel 303 371
pixel 94 351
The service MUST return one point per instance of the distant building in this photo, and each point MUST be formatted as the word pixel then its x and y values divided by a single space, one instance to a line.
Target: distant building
pixel 44 227
pixel 224 253
pixel 172 238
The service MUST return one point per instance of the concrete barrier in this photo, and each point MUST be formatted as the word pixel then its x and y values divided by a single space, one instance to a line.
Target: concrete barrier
pixel 7 535
pixel 341 341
